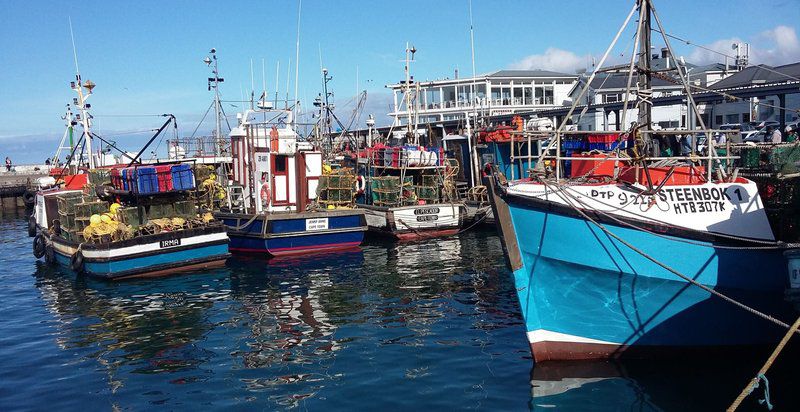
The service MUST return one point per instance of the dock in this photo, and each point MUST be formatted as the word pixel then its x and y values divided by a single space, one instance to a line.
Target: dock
pixel 18 185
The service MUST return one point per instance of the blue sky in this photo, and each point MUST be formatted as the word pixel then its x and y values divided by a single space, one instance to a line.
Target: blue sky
pixel 146 56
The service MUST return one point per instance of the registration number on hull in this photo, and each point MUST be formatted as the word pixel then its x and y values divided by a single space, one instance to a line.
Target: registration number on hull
pixel 317 223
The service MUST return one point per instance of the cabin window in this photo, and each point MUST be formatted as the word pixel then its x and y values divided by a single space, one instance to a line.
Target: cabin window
pixel 280 163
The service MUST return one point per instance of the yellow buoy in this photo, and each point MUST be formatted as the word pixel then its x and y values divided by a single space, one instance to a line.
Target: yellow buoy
pixel 331 207
pixel 114 207
pixel 95 220
pixel 105 218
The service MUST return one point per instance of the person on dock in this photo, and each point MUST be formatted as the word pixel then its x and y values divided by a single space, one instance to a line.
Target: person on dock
pixel 8 164
pixel 791 134
pixel 773 135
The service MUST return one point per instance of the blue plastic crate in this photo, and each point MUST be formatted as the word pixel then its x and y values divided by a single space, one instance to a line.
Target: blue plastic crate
pixel 182 177
pixel 146 180
pixel 573 144
pixel 127 176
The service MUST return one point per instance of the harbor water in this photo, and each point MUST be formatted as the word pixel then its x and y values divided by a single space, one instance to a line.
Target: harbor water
pixel 432 324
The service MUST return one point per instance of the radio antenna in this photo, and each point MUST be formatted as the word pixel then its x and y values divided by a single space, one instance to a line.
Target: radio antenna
pixel 74 50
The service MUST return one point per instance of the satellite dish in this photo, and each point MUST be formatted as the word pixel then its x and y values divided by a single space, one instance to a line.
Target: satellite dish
pixel 207 61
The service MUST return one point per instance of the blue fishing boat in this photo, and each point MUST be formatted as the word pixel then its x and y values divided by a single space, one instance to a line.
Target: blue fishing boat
pixel 640 257
pixel 273 206
pixel 123 222
pixel 202 246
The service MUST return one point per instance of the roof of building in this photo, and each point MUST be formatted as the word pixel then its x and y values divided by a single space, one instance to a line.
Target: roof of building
pixel 529 73
pixel 760 74
pixel 620 81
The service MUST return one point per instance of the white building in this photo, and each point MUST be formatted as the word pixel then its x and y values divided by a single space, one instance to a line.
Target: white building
pixel 498 93
pixel 775 96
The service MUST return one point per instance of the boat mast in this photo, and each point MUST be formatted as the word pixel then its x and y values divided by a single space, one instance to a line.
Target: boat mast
pixel 80 102
pixel 213 82
pixel 644 78
pixel 410 50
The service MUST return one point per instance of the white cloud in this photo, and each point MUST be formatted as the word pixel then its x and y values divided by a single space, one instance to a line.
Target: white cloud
pixel 553 59
pixel 772 47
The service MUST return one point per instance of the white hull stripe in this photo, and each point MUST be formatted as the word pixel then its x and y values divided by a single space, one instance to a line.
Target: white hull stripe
pixel 542 335
pixel 136 249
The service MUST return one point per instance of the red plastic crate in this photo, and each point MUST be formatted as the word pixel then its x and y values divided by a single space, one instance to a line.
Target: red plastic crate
pixel 684 175
pixel 116 178
pixel 164 174
pixel 579 168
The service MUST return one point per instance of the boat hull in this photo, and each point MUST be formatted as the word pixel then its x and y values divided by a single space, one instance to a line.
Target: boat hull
pixel 148 256
pixel 585 295
pixel 295 233
pixel 415 222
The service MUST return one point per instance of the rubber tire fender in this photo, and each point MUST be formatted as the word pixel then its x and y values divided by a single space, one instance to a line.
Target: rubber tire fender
pixel 49 254
pixel 29 197
pixel 39 245
pixel 76 262
pixel 31 227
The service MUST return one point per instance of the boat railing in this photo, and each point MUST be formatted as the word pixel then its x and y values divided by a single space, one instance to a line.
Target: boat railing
pixel 527 146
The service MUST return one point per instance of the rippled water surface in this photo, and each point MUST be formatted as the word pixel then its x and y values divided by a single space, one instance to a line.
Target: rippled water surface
pixel 431 325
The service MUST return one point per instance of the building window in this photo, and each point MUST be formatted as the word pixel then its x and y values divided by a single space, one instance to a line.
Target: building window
pixel 517 96
pixel 528 99
pixel 548 94
pixel 449 96
pixel 732 118
pixel 432 98
pixel 611 97
pixel 745 117
pixel 718 119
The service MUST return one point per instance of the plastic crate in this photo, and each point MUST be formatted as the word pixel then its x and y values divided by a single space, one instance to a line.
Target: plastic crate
pixel 116 179
pixel 182 177
pixel 127 177
pixel 596 162
pixel 146 180
pixel 164 176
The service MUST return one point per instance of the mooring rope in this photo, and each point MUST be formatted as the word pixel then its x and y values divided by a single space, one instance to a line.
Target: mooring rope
pixel 762 372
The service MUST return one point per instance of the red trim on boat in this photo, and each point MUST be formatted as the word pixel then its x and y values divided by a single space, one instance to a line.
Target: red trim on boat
pixel 299 249
pixel 425 234
pixel 574 351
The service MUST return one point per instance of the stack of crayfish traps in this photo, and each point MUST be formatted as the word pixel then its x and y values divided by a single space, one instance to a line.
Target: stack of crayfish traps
pixel 337 188
pixel 775 168
pixel 388 191
pixel 142 200
pixel 411 175
pixel 85 218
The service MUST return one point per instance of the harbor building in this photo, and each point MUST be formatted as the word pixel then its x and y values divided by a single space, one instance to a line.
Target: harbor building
pixel 773 95
pixel 502 92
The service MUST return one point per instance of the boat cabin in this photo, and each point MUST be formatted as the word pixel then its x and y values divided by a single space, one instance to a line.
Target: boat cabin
pixel 273 171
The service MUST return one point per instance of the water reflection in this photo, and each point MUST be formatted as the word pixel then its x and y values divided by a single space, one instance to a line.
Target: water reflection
pixel 391 318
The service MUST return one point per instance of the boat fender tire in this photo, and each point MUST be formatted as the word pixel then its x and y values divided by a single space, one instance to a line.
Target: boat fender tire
pixel 49 254
pixel 360 184
pixel 29 197
pixel 39 245
pixel 76 262
pixel 31 227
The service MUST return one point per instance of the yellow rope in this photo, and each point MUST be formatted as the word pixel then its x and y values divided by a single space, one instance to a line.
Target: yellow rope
pixel 754 382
